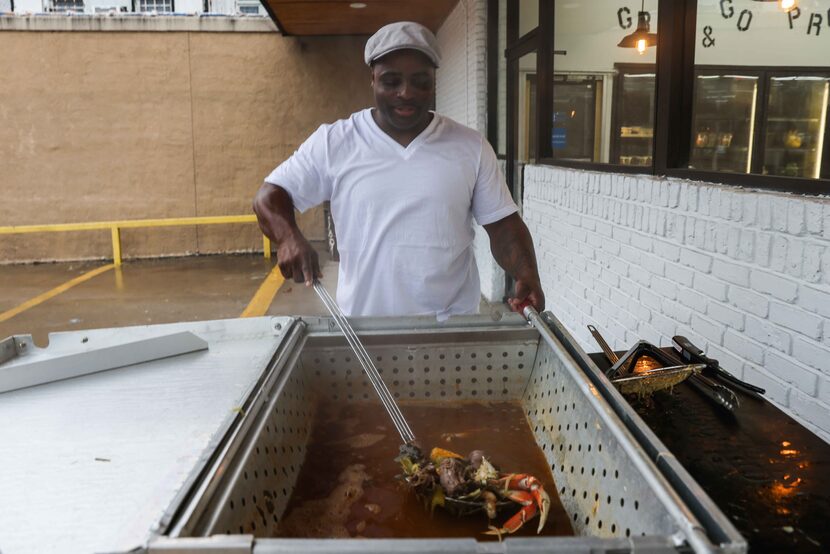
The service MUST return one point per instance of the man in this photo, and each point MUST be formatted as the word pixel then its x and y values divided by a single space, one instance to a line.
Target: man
pixel 404 185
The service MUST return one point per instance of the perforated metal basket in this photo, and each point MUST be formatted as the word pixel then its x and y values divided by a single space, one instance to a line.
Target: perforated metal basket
pixel 623 491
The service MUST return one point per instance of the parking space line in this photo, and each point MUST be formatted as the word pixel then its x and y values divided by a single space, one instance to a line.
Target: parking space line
pixel 41 298
pixel 265 294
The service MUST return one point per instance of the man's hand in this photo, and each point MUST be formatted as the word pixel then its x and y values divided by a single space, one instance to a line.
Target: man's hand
pixel 512 247
pixel 275 214
pixel 530 292
pixel 298 260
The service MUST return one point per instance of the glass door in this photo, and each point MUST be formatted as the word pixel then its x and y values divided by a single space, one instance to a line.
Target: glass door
pixel 795 125
pixel 576 114
pixel 723 122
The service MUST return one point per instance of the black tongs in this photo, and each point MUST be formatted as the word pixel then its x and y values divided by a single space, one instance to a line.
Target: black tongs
pixel 692 354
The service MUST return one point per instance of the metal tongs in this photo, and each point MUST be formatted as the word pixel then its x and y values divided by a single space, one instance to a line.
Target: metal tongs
pixel 691 353
pixel 366 362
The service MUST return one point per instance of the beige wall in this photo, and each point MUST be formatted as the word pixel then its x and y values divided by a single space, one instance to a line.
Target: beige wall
pixel 100 126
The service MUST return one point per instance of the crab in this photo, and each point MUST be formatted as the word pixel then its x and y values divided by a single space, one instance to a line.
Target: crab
pixel 453 482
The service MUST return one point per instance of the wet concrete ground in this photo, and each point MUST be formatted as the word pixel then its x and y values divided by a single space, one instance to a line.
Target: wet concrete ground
pixel 145 292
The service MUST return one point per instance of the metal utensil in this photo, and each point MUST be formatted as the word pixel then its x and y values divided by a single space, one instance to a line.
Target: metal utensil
pixel 614 359
pixel 691 353
pixel 366 362
pixel 610 354
pixel 656 379
pixel 721 395
pixel 648 381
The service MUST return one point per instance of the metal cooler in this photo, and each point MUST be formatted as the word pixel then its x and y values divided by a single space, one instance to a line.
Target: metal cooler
pixel 623 490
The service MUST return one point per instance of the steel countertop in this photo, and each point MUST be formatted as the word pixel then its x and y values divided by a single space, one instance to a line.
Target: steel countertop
pixel 95 463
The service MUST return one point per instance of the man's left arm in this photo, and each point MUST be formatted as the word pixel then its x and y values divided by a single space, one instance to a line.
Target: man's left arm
pixel 512 247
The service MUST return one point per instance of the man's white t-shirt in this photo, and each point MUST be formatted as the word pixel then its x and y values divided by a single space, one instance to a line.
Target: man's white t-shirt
pixel 403 215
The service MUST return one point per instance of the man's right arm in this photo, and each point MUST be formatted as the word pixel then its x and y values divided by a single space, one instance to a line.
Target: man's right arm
pixel 296 258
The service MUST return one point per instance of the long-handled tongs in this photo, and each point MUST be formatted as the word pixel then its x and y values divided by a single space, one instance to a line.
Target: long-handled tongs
pixel 692 354
pixel 366 362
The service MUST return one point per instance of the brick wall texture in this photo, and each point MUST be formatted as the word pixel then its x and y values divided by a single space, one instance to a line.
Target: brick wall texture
pixel 461 94
pixel 744 274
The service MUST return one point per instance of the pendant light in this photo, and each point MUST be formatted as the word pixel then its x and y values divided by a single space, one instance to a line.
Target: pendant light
pixel 641 38
pixel 786 5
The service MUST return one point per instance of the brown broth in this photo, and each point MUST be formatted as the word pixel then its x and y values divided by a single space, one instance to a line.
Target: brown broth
pixel 348 485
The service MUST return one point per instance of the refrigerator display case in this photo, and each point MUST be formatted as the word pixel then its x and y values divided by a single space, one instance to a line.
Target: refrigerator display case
pixel 633 115
pixel 795 125
pixel 723 119
pixel 576 116
pixel 761 120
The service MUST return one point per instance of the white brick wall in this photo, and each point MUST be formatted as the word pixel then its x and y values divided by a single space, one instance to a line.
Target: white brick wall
pixel 744 274
pixel 462 95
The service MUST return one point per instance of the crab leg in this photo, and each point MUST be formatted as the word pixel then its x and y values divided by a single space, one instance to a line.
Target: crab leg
pixel 530 483
pixel 528 491
pixel 528 511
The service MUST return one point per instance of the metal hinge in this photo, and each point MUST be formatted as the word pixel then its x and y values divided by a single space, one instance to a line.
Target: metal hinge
pixel 14 346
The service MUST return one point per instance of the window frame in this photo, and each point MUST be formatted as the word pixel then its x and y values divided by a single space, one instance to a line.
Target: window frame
pixel 675 66
pixel 137 4
pixel 516 48
pixel 53 6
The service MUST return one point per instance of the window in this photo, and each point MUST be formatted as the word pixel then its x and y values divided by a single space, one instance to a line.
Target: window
pixel 723 120
pixel 158 6
pixel 577 117
pixel 528 16
pixel 632 135
pixel 498 86
pixel 521 90
pixel 795 125
pixel 526 95
pixel 67 6
pixel 740 93
pixel 248 7
pixel 603 89
pixel 762 77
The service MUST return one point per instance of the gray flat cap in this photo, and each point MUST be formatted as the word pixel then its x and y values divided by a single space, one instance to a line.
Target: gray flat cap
pixel 403 35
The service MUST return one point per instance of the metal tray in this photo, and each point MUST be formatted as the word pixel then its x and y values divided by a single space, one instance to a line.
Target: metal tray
pixel 624 490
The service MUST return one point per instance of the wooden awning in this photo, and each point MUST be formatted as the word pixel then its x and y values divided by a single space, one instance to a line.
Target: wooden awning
pixel 322 17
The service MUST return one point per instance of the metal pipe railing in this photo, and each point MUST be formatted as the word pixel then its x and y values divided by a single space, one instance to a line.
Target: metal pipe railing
pixel 116 226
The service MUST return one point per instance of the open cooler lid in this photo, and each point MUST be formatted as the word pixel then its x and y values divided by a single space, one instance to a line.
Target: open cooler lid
pixel 99 461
